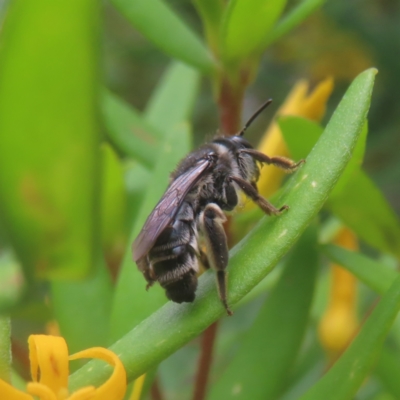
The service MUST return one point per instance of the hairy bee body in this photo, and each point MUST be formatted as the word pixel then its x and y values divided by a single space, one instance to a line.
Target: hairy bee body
pixel 173 261
pixel 190 215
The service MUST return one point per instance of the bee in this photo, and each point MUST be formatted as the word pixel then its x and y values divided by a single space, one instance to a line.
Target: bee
pixel 190 215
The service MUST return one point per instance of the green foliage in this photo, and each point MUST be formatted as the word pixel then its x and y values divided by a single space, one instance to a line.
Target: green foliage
pixel 237 40
pixel 351 369
pixel 128 132
pixel 49 163
pixel 374 274
pixel 280 326
pixel 81 170
pixel 158 23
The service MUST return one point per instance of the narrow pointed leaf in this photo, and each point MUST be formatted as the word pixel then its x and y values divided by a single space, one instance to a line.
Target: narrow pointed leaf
pixel 255 256
pixel 172 101
pixel 301 134
pixel 374 274
pixel 211 12
pixel 113 206
pixel 374 220
pixel 294 18
pixel 49 137
pixel 245 27
pixel 179 83
pixel 132 303
pixel 128 131
pixel 342 381
pixel 270 347
pixel 388 370
pixel 156 21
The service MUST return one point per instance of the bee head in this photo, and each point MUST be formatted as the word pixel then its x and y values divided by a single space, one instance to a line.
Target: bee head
pixel 241 142
pixel 183 291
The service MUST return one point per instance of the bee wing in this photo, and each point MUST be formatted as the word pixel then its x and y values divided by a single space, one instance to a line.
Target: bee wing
pixel 167 207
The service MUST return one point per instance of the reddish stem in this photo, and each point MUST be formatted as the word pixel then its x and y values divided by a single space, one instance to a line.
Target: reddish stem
pixel 207 345
pixel 155 390
pixel 230 107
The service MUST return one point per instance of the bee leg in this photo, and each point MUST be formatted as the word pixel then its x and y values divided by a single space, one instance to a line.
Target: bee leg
pixel 251 191
pixel 204 259
pixel 211 220
pixel 284 163
pixel 146 268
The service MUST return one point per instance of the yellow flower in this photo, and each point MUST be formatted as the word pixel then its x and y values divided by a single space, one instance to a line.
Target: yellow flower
pixel 339 322
pixel 49 370
pixel 298 103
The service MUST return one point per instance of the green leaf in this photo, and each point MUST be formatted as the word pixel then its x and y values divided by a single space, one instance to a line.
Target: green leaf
pixel 156 21
pixel 172 101
pixel 113 206
pixel 294 18
pixel 129 132
pixel 137 179
pixel 5 349
pixel 245 27
pixel 211 12
pixel 351 369
pixel 275 337
pixel 362 207
pixel 49 159
pixel 300 135
pixel 82 309
pixel 132 303
pixel 354 165
pixel 388 370
pixel 374 274
pixel 254 257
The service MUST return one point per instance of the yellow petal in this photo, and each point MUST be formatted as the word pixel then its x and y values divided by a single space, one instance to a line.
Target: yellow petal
pixel 314 106
pixel 115 387
pixel 339 322
pixel 137 388
pixel 41 391
pixel 85 393
pixel 49 355
pixel 298 103
pixel 336 329
pixel 10 393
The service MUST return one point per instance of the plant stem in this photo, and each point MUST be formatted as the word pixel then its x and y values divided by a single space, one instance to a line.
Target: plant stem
pixel 230 106
pixel 207 345
pixel 155 390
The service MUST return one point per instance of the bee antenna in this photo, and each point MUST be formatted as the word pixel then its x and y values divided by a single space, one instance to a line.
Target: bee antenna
pixel 254 116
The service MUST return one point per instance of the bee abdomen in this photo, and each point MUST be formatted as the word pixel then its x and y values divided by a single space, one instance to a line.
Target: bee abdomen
pixel 173 258
pixel 184 289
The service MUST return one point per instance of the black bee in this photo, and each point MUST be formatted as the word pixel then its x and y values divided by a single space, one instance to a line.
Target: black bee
pixel 191 212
